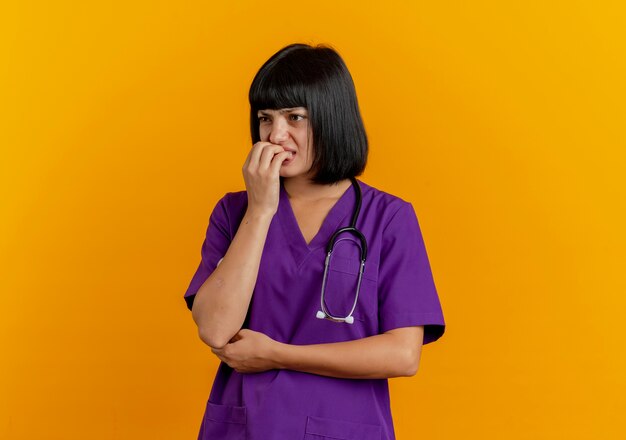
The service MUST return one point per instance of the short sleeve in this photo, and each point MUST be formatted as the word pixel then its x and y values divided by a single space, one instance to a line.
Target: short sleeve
pixel 407 293
pixel 214 247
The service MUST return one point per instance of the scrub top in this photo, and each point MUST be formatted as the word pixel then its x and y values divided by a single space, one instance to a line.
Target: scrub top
pixel 397 290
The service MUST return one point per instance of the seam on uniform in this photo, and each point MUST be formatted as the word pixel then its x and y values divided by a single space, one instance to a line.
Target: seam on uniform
pixel 394 216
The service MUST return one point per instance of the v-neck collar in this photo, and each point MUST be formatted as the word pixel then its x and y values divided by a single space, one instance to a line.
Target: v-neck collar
pixel 339 213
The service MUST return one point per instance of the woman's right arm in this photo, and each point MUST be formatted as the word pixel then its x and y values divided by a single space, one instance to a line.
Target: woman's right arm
pixel 221 303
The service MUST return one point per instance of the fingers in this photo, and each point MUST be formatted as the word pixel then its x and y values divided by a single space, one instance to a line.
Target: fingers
pixel 255 154
pixel 278 161
pixel 262 179
pixel 269 155
pixel 261 156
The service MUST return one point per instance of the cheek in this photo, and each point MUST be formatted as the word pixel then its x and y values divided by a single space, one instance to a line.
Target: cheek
pixel 308 156
pixel 263 134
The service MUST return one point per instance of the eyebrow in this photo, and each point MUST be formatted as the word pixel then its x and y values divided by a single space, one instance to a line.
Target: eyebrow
pixel 284 110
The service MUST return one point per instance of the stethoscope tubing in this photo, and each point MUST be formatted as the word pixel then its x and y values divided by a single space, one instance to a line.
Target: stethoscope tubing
pixel 324 313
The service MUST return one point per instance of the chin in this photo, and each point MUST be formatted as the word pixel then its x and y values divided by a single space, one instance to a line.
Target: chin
pixel 289 173
pixel 292 171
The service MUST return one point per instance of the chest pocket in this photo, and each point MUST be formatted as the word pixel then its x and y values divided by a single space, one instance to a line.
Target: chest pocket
pixel 341 287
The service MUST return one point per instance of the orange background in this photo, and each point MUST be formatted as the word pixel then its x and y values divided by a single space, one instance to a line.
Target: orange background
pixel 124 122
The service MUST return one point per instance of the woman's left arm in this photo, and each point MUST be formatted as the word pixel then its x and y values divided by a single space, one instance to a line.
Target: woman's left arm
pixel 394 353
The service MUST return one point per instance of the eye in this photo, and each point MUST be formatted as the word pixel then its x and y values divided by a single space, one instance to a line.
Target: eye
pixel 299 116
pixel 261 118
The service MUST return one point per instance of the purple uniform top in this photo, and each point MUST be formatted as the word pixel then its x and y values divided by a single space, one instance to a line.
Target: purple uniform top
pixel 397 290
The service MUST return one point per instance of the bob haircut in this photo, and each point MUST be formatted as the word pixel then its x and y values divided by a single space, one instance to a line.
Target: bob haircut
pixel 300 75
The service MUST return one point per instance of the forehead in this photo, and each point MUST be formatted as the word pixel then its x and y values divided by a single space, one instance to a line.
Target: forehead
pixel 282 110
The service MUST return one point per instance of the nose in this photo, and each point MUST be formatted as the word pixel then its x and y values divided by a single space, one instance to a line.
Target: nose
pixel 279 131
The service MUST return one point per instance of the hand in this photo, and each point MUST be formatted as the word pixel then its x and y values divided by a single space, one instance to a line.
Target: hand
pixel 261 172
pixel 249 352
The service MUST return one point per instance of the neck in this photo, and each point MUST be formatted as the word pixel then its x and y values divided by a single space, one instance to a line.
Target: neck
pixel 302 189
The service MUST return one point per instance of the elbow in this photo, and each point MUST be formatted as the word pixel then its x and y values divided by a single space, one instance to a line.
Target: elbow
pixel 411 371
pixel 412 361
pixel 212 333
pixel 212 338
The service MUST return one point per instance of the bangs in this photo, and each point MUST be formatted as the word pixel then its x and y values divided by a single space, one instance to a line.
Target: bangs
pixel 280 85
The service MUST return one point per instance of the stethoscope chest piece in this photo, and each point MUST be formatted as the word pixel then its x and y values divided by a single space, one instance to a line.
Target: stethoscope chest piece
pixel 321 315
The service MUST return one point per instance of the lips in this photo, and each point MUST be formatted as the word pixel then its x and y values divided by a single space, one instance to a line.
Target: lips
pixel 290 159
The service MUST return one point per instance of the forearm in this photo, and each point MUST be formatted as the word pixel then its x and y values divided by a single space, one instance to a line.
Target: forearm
pixel 221 303
pixel 374 357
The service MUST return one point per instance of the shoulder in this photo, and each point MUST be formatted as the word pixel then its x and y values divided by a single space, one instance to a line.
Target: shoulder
pixel 383 203
pixel 232 206
pixel 235 199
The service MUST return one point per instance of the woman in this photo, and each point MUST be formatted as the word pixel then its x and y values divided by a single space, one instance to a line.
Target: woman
pixel 295 365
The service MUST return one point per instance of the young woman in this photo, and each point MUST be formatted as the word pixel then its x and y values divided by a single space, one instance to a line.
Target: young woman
pixel 314 287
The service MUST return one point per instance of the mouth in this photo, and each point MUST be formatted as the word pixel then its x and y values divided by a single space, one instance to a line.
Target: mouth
pixel 289 160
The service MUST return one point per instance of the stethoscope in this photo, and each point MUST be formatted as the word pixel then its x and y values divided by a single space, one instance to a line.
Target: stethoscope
pixel 323 313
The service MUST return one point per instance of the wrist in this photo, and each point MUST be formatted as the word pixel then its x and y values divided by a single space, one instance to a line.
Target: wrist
pixel 259 214
pixel 278 355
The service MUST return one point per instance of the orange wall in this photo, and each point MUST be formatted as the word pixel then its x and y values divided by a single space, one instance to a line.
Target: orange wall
pixel 122 124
